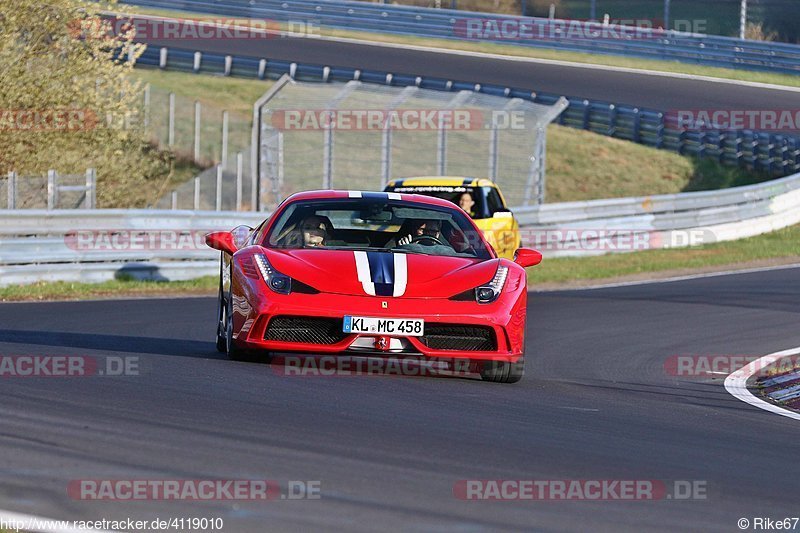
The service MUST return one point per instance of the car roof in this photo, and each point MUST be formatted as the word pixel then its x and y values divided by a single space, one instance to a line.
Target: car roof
pixel 338 194
pixel 444 181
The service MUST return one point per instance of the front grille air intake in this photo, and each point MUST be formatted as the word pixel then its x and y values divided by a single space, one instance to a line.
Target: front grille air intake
pixel 457 337
pixel 308 330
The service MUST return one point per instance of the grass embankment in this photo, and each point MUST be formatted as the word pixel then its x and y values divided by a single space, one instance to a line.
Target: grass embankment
pixel 581 165
pixel 778 247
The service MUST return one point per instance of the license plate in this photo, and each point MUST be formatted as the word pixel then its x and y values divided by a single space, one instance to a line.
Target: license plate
pixel 406 327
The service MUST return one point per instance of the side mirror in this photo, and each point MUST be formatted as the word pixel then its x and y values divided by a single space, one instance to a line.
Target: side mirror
pixel 222 241
pixel 525 257
pixel 240 235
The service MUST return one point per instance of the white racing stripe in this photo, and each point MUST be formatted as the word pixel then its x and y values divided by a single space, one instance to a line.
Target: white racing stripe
pixel 736 383
pixel 364 276
pixel 400 274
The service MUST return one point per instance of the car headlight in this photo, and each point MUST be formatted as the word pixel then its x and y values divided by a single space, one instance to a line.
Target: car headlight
pixel 488 293
pixel 280 283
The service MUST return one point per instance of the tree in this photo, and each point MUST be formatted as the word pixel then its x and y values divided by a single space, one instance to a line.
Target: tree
pixel 67 99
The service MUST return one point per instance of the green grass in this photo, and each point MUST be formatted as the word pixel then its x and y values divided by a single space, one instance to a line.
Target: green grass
pixel 234 94
pixel 215 95
pixel 581 165
pixel 780 244
pixel 65 290
pixel 522 51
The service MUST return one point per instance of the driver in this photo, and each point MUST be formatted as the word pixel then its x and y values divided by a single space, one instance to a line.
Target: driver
pixel 423 228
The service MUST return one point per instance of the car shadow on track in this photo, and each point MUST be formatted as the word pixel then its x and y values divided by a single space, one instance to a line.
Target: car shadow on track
pixel 111 343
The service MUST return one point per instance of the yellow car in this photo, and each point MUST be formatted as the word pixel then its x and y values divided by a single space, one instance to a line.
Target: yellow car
pixel 480 198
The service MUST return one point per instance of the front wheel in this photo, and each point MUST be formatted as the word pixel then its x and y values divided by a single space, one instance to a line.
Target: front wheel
pixel 503 372
pixel 234 352
pixel 221 317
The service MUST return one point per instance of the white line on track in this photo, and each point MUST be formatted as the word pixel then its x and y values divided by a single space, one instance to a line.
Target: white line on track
pixel 670 280
pixel 486 55
pixel 39 524
pixel 736 383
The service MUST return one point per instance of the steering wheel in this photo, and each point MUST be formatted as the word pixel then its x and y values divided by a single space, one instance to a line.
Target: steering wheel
pixel 428 237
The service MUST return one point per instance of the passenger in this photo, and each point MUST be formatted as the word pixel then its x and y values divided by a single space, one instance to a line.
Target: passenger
pixel 314 231
pixel 466 202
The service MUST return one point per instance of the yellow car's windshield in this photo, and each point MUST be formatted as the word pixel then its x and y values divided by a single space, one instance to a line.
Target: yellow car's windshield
pixel 470 199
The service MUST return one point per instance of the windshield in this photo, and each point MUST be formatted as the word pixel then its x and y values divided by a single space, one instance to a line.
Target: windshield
pixel 470 199
pixel 376 224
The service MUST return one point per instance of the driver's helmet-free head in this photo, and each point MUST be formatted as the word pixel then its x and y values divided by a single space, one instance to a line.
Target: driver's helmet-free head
pixel 314 230
pixel 466 202
pixel 429 228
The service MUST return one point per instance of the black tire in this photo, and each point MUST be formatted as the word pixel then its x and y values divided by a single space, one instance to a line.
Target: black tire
pixel 221 310
pixel 503 372
pixel 234 352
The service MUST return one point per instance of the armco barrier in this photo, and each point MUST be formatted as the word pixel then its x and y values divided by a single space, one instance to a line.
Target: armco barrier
pixel 774 153
pixel 449 24
pixel 40 245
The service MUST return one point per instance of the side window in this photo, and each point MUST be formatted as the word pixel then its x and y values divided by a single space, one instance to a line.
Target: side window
pixel 493 201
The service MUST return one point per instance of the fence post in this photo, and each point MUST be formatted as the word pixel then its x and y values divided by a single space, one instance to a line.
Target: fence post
pixel 146 106
pixel 239 169
pixel 51 189
pixel 91 187
pixel 280 160
pixel 197 131
pixel 218 203
pixel 386 153
pixel 441 149
pixel 327 160
pixel 171 121
pixel 12 190
pixel 742 19
pixel 197 194
pixel 494 136
pixel 224 156
pixel 174 200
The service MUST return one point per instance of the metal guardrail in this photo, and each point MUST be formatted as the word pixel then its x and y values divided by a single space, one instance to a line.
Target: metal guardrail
pixel 724 201
pixel 102 244
pixel 95 245
pixel 774 153
pixel 700 49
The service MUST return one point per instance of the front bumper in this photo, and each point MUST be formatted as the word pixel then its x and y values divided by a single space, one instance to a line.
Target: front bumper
pixel 505 320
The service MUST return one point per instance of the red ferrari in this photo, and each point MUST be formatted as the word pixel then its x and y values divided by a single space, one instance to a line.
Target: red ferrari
pixel 373 274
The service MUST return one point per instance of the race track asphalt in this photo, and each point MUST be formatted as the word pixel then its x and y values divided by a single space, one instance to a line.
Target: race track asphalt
pixel 620 87
pixel 387 451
